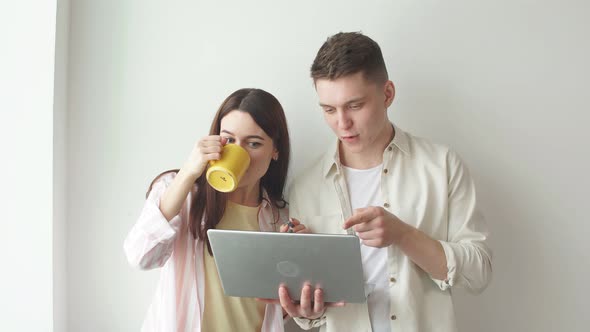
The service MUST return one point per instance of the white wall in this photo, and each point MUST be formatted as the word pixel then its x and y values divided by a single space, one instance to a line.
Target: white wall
pixel 503 82
pixel 27 35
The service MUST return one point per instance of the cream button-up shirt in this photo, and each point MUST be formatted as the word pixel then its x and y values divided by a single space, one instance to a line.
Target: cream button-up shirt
pixel 427 186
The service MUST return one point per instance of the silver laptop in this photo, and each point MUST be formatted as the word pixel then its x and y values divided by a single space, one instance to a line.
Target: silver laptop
pixel 254 264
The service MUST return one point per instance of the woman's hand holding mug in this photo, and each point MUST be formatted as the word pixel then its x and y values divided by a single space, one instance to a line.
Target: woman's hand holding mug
pixel 206 149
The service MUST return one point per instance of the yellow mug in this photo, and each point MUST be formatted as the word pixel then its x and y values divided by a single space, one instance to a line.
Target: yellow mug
pixel 225 174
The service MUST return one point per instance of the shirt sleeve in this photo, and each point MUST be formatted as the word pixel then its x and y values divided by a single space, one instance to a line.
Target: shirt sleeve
pixel 308 324
pixel 150 242
pixel 469 259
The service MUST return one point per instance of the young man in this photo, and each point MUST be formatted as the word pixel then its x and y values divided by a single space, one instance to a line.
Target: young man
pixel 411 202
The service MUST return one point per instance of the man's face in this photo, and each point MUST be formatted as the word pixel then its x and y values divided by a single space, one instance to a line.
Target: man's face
pixel 356 110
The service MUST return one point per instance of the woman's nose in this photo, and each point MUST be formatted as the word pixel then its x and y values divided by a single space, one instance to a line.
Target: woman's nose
pixel 243 144
pixel 240 143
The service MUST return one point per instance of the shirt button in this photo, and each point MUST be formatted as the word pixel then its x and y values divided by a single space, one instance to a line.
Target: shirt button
pixel 389 148
pixel 392 279
pixel 393 317
pixel 385 171
pixel 386 205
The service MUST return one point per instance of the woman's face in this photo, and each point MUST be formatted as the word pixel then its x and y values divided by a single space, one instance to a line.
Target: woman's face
pixel 239 128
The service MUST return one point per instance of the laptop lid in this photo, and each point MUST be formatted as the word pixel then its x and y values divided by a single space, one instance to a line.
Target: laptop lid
pixel 254 264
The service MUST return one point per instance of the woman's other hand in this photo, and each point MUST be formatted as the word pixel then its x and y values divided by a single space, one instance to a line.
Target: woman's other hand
pixel 294 226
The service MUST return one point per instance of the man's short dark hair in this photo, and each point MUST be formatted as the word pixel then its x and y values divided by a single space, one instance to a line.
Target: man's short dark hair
pixel 348 53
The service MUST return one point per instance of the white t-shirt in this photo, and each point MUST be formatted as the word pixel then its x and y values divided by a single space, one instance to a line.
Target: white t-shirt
pixel 364 190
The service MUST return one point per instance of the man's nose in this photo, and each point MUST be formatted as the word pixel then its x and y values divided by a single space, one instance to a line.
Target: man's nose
pixel 344 121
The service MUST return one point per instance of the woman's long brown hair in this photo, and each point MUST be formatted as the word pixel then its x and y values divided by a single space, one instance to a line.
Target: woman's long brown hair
pixel 208 205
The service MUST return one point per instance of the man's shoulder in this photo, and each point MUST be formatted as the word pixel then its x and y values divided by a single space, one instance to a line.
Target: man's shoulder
pixel 432 156
pixel 421 144
pixel 425 150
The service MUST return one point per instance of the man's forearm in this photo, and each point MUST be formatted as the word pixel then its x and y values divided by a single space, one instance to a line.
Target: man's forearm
pixel 426 252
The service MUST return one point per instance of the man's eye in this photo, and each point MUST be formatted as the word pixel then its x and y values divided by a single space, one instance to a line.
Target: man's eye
pixel 328 110
pixel 355 106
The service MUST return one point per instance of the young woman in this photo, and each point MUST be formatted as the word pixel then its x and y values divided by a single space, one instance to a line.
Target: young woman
pixel 181 206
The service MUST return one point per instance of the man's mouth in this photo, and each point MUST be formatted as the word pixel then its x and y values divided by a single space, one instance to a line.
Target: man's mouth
pixel 349 138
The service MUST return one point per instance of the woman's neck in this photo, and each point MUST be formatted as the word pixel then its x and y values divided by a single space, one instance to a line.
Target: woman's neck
pixel 248 196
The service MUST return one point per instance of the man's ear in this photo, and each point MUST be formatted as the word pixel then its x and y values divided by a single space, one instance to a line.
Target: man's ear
pixel 389 91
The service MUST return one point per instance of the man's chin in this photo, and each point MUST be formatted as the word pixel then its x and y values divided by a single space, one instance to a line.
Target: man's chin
pixel 352 147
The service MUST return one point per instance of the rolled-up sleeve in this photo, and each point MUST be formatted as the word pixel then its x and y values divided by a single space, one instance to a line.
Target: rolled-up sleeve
pixel 469 259
pixel 150 242
pixel 308 324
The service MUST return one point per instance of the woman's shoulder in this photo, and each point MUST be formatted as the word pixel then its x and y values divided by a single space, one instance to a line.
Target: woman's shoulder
pixel 165 177
pixel 164 180
pixel 160 182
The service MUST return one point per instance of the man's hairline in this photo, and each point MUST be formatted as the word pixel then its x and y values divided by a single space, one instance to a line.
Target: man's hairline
pixel 365 76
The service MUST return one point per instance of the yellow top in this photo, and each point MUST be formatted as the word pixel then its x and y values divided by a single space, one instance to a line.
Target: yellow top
pixel 226 313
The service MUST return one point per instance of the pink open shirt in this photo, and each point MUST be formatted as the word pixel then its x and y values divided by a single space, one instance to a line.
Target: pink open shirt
pixel 155 242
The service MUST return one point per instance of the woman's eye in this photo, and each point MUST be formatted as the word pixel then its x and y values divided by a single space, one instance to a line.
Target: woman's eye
pixel 230 139
pixel 254 144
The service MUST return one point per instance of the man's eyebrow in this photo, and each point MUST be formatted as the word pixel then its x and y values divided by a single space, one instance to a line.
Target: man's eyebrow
pixel 354 100
pixel 249 136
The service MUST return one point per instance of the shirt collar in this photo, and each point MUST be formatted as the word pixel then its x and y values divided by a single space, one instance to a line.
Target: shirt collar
pixel 265 199
pixel 400 140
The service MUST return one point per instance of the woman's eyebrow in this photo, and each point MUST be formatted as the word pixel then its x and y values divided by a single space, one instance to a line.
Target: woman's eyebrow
pixel 255 136
pixel 249 136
